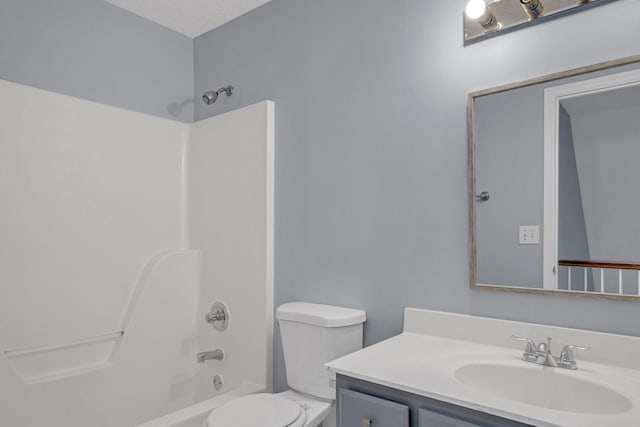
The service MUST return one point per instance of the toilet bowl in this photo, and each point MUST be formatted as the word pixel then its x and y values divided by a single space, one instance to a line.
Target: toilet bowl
pixel 312 335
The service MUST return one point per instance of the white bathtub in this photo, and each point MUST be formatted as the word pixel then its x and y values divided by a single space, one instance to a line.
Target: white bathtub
pixel 194 415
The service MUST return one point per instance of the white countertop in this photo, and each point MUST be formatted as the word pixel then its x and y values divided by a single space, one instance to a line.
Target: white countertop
pixel 425 364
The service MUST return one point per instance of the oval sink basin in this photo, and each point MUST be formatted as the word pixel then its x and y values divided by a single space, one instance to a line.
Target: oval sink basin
pixel 543 387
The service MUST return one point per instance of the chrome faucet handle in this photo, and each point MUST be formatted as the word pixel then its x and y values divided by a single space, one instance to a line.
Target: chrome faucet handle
pixel 215 317
pixel 545 347
pixel 566 355
pixel 531 344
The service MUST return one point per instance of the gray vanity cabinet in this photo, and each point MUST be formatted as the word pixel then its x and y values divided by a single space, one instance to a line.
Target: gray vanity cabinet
pixel 435 419
pixel 363 410
pixel 364 404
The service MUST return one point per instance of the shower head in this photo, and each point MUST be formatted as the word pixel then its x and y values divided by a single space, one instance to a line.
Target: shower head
pixel 211 96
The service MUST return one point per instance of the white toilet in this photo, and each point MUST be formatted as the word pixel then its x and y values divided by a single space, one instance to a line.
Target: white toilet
pixel 312 335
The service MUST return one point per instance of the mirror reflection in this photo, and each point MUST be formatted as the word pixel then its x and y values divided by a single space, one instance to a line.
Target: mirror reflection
pixel 554 184
pixel 598 193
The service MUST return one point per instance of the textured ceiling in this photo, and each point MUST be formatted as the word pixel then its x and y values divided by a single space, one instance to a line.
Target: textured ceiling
pixel 189 17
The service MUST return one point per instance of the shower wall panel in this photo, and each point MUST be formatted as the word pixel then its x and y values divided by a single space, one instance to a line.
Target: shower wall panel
pixel 97 307
pixel 231 186
pixel 102 302
pixel 89 193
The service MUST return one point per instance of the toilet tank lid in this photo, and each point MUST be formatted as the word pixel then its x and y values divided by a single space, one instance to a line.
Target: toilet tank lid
pixel 327 316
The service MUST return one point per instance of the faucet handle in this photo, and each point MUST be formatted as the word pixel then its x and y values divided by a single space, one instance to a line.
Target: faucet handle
pixel 531 344
pixel 566 355
pixel 545 347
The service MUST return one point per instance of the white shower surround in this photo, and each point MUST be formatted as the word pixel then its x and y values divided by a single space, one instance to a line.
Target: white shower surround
pixel 95 241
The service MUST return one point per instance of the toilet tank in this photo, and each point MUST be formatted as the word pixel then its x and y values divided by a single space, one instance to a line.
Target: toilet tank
pixel 312 335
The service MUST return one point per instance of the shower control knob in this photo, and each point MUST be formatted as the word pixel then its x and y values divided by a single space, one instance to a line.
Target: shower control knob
pixel 218 316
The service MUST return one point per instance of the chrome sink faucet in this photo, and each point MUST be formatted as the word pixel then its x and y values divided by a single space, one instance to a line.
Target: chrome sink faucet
pixel 542 355
pixel 217 354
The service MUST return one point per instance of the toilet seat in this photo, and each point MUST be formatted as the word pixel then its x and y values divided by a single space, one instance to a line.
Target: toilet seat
pixel 258 410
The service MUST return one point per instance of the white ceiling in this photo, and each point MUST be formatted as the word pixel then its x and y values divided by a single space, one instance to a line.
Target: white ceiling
pixel 189 17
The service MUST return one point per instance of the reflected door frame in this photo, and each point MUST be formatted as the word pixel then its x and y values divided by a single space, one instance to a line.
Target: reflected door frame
pixel 552 98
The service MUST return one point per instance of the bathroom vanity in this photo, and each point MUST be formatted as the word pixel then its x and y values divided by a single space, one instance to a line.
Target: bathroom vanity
pixel 448 370
pixel 362 403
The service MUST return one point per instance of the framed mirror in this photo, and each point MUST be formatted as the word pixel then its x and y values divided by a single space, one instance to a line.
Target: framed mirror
pixel 554 174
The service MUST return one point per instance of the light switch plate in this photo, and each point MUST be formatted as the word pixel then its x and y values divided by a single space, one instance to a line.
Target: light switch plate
pixel 529 234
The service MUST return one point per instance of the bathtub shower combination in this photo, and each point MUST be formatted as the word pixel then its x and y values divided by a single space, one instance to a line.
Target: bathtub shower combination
pixel 120 231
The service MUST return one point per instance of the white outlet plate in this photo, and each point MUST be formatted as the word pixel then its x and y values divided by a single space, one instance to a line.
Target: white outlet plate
pixel 529 234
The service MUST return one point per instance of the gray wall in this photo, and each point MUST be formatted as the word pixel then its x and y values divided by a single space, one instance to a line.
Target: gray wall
pixel 371 151
pixel 572 231
pixel 607 146
pixel 509 137
pixel 607 152
pixel 93 50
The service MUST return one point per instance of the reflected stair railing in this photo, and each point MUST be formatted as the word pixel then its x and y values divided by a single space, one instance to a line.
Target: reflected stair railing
pixel 602 266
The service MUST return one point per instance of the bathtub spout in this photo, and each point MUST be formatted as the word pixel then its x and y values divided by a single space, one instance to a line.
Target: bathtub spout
pixel 217 354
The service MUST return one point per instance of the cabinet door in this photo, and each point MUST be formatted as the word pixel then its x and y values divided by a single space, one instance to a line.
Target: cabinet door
pixel 434 419
pixel 362 410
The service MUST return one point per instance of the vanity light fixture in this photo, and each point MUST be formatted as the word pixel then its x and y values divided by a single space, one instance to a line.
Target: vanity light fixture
pixel 533 8
pixel 488 18
pixel 478 10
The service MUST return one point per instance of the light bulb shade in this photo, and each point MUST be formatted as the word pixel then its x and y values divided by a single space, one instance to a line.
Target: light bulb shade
pixel 533 8
pixel 478 11
pixel 475 9
pixel 483 19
